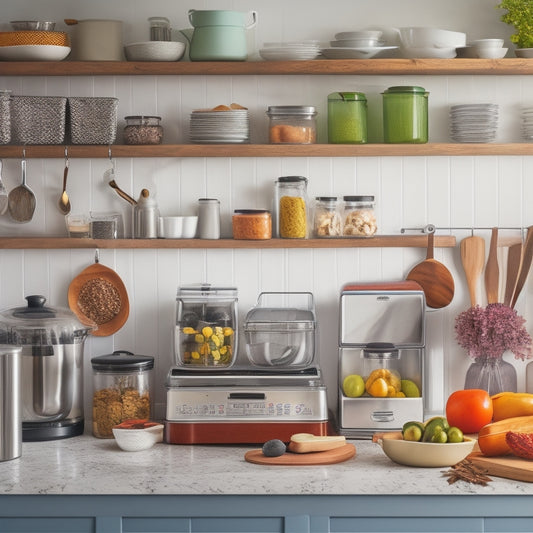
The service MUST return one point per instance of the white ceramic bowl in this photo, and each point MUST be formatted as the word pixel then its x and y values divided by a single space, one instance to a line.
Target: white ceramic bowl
pixel 361 34
pixel 426 37
pixel 487 43
pixel 356 43
pixel 524 52
pixel 177 227
pixel 429 52
pixel 135 440
pixel 491 53
pixel 154 51
pixel 424 454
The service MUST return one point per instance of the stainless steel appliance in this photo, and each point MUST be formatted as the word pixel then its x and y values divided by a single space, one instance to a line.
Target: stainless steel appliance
pixel 10 390
pixel 52 341
pixel 382 326
pixel 271 389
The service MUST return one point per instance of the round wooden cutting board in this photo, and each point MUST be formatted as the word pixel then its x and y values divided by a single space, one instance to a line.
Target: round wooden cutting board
pixel 337 455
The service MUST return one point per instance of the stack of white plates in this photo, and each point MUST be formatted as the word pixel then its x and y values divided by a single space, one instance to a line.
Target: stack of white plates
pixel 527 123
pixel 290 51
pixel 474 123
pixel 208 126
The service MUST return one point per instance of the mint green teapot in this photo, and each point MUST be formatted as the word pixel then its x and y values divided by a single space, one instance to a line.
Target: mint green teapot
pixel 218 35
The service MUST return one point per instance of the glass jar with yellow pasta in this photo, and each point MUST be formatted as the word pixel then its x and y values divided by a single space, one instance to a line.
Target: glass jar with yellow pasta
pixel 291 207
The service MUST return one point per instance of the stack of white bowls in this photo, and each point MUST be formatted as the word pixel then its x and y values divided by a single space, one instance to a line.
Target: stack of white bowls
pixel 290 51
pixel 362 44
pixel 527 123
pixel 489 48
pixel 474 123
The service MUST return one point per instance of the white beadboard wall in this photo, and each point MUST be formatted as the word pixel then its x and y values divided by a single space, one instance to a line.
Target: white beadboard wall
pixel 410 192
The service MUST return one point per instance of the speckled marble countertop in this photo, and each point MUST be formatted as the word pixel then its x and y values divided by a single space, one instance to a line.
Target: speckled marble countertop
pixel 86 465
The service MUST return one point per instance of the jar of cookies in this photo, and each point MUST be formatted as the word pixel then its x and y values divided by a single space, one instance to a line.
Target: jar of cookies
pixel 359 218
pixel 327 218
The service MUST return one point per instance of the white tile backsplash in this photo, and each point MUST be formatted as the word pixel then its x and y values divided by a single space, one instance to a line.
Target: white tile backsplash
pixel 410 191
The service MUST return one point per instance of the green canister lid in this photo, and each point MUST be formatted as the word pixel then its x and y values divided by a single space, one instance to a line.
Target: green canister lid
pixel 414 89
pixel 348 96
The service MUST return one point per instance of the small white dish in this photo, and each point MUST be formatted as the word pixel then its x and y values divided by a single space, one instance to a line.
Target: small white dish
pixel 154 51
pixel 524 52
pixel 487 43
pixel 34 52
pixel 356 43
pixel 136 440
pixel 360 34
pixel 491 53
pixel 355 53
pixel 189 225
pixel 429 53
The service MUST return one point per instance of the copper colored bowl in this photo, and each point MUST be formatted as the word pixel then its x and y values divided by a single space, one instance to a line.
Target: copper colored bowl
pixel 14 38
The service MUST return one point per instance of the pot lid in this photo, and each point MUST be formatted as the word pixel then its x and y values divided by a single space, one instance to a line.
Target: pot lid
pixel 37 324
pixel 122 360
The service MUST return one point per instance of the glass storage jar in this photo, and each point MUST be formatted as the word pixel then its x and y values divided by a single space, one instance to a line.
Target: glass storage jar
pixel 291 207
pixel 405 115
pixel 347 118
pixel 252 224
pixel 142 129
pixel 359 219
pixel 326 219
pixel 159 29
pixel 122 390
pixel 294 124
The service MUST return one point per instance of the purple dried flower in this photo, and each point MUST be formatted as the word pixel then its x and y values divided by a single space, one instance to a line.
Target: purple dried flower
pixel 492 330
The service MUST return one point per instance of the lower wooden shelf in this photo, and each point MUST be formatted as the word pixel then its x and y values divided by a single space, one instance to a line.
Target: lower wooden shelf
pixel 380 241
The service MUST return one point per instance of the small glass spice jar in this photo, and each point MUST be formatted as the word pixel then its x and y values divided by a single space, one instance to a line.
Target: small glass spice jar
pixel 326 219
pixel 294 124
pixel 347 118
pixel 142 129
pixel 252 224
pixel 122 390
pixel 405 115
pixel 359 218
pixel 291 207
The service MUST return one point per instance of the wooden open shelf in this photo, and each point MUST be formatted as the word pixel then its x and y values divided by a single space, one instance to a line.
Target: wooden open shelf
pixel 379 241
pixel 317 66
pixel 267 150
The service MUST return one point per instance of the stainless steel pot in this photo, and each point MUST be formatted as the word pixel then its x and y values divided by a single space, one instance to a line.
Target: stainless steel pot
pixel 52 341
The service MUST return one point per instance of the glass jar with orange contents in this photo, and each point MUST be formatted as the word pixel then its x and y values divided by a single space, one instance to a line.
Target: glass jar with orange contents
pixel 295 124
pixel 252 224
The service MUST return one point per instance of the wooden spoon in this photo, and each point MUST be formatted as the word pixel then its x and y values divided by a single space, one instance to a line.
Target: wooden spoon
pixel 434 278
pixel 514 262
pixel 21 200
pixel 526 264
pixel 473 258
pixel 64 202
pixel 492 270
pixel 121 193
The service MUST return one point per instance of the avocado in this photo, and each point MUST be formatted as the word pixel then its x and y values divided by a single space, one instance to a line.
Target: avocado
pixel 434 425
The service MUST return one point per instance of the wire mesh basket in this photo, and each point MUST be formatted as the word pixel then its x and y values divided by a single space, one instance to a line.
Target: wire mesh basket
pixel 38 119
pixel 92 120
pixel 5 117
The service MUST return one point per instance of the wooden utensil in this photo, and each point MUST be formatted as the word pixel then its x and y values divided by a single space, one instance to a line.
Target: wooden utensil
pixel 514 262
pixel 434 278
pixel 507 466
pixel 64 201
pixel 105 289
pixel 527 256
pixel 121 193
pixel 473 259
pixel 337 455
pixel 21 200
pixel 492 270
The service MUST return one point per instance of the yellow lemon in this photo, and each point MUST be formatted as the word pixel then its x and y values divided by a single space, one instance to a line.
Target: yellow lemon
pixel 410 389
pixel 353 386
pixel 378 388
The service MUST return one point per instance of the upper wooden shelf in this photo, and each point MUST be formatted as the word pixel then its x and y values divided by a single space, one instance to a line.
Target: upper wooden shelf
pixel 379 241
pixel 266 150
pixel 317 66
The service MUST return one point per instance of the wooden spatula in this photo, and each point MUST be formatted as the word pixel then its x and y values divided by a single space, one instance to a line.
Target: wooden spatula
pixel 492 271
pixel 524 268
pixel 514 262
pixel 473 259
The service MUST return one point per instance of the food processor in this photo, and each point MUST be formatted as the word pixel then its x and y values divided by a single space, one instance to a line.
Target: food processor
pixel 382 340
pixel 52 341
pixel 271 389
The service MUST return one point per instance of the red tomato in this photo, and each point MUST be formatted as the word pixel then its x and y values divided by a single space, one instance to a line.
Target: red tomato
pixel 469 409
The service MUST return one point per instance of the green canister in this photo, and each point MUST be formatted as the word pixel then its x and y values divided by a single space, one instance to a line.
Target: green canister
pixel 405 115
pixel 347 118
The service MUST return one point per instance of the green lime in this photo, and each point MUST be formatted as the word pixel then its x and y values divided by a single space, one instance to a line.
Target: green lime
pixel 353 386
pixel 410 389
pixel 455 435
pixel 439 436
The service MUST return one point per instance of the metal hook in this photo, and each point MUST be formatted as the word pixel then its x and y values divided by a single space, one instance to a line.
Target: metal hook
pixel 24 153
pixel 97 255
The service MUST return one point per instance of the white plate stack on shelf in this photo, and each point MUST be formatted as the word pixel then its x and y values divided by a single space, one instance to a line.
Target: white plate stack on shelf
pixel 527 124
pixel 474 123
pixel 290 51
pixel 363 44
pixel 219 126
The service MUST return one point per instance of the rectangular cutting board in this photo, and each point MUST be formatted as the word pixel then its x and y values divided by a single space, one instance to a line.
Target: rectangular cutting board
pixel 337 455
pixel 507 466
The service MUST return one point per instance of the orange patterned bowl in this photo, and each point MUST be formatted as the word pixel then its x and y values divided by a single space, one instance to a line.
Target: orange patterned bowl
pixel 15 38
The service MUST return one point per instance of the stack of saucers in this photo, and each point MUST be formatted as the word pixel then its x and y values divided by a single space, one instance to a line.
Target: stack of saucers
pixel 211 126
pixel 290 51
pixel 527 123
pixel 473 123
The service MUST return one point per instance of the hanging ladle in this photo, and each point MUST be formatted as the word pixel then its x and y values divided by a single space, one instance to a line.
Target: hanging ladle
pixel 64 202
pixel 21 200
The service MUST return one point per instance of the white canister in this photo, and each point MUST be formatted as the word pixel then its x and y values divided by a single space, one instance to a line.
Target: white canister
pixel 97 40
pixel 208 218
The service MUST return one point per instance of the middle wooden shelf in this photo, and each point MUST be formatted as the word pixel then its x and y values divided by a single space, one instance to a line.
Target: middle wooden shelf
pixel 266 150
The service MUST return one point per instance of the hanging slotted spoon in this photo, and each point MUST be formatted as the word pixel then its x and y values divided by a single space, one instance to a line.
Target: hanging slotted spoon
pixel 21 200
